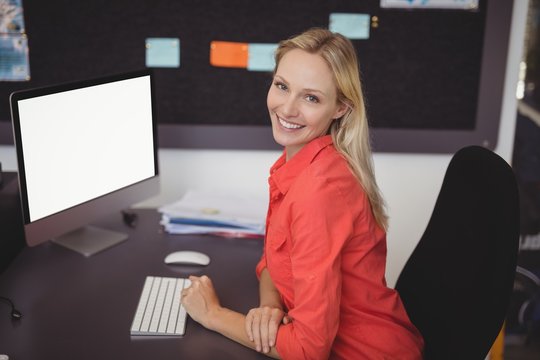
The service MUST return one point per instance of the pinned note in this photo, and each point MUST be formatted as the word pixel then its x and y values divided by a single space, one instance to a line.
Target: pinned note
pixel 163 52
pixel 14 64
pixel 229 54
pixel 261 57
pixel 431 4
pixel 351 25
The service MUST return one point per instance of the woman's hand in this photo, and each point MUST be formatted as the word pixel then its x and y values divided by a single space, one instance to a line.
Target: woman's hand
pixel 262 324
pixel 200 300
pixel 202 304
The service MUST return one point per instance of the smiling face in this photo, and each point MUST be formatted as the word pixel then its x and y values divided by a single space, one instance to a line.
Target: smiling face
pixel 302 100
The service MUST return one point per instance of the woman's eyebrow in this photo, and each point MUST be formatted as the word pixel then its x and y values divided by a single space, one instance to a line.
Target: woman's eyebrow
pixel 278 77
pixel 314 91
pixel 308 90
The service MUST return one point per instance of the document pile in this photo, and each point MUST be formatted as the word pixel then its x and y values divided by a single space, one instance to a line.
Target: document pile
pixel 219 214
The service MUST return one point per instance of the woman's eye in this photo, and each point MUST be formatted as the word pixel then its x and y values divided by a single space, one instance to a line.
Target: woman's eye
pixel 312 98
pixel 281 86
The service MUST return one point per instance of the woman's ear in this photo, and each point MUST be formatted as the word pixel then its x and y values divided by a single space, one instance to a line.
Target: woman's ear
pixel 342 109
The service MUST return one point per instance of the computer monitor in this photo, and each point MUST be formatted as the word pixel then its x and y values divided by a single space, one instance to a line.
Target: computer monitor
pixel 85 150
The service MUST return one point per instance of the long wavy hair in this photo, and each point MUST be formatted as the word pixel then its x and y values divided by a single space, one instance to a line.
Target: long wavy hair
pixel 350 133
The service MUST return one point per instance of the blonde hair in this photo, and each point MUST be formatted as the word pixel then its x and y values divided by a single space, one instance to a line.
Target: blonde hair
pixel 350 133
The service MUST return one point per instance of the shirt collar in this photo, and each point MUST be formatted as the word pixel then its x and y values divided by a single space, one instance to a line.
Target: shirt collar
pixel 283 172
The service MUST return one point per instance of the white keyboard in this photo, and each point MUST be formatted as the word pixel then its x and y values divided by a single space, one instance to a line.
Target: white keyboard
pixel 159 311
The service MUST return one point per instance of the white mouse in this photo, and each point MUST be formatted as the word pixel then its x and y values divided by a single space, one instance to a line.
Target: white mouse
pixel 187 258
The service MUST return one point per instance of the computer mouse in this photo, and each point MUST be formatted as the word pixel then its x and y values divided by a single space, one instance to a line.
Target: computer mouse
pixel 187 258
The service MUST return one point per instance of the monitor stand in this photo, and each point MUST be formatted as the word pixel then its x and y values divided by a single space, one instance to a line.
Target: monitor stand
pixel 89 240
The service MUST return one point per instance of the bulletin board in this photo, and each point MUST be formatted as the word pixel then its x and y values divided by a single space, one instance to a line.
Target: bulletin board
pixel 433 77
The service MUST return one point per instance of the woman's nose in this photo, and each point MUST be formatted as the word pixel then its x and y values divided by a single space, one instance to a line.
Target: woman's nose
pixel 290 107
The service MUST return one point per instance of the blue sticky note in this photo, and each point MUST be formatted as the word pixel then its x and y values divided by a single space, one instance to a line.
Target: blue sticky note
pixel 352 26
pixel 163 52
pixel 261 57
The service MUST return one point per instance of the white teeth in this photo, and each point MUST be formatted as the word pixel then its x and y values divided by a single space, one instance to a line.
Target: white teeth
pixel 289 125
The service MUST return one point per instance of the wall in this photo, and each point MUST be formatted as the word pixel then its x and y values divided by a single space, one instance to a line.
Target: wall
pixel 410 182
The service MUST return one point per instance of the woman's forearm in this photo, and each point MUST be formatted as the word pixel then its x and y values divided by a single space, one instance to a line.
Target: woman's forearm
pixel 268 294
pixel 202 304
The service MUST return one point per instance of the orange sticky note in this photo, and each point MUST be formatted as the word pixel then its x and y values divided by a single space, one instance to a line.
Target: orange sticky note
pixel 229 54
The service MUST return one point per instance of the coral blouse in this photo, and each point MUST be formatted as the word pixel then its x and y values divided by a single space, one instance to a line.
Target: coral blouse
pixel 326 256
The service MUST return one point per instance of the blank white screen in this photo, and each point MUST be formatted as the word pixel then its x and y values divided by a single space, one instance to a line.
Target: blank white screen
pixel 85 143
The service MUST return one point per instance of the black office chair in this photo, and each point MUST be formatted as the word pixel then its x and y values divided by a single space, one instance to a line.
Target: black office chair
pixel 457 284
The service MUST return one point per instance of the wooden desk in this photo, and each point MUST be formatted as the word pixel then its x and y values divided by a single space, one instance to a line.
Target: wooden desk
pixel 82 308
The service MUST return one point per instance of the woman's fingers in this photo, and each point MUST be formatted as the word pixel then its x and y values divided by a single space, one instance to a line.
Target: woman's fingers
pixel 249 324
pixel 262 325
pixel 273 326
pixel 256 328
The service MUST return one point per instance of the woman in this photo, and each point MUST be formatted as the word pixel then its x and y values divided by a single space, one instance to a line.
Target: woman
pixel 322 288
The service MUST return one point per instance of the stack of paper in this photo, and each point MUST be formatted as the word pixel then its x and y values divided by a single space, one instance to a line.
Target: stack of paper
pixel 209 213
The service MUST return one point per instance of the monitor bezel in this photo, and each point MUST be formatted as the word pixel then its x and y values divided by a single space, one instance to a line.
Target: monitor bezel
pixel 69 219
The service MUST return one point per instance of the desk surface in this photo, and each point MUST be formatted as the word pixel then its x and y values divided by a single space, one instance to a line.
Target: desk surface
pixel 82 308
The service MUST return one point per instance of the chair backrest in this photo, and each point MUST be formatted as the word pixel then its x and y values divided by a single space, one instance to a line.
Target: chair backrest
pixel 457 284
